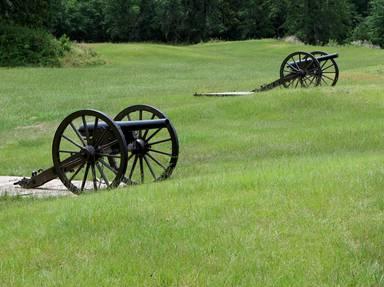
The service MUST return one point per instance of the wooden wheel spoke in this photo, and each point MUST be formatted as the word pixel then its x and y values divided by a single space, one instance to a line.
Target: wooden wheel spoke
pixel 330 66
pixel 323 64
pixel 131 156
pixel 77 133
pixel 161 141
pixel 85 177
pixel 103 147
pixel 309 78
pixel 71 161
pixel 133 167
pixel 108 166
pixel 328 77
pixel 73 142
pixel 71 152
pixel 297 82
pixel 77 171
pixel 141 169
pixel 147 130
pixel 313 78
pixel 95 125
pixel 303 83
pixel 94 178
pixel 102 174
pixel 160 152
pixel 293 69
pixel 294 61
pixel 300 82
pixel 86 128
pixel 150 167
pixel 100 138
pixel 310 81
pixel 127 180
pixel 140 119
pixel 155 133
pixel 322 79
pixel 156 161
pixel 292 82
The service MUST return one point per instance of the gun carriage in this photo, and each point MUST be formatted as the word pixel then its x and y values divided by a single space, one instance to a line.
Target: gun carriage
pixel 299 69
pixel 90 151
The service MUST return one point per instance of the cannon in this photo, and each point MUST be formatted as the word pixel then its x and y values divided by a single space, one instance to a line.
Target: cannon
pixel 299 69
pixel 90 151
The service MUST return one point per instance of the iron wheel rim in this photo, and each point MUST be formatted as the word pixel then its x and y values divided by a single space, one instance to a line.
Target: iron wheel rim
pixel 159 160
pixel 303 68
pixel 91 151
pixel 329 70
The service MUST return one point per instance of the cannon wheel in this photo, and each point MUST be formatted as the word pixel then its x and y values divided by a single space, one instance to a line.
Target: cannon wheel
pixel 80 152
pixel 329 70
pixel 304 75
pixel 157 160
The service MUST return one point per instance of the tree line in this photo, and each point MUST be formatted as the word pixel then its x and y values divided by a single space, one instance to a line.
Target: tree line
pixel 192 21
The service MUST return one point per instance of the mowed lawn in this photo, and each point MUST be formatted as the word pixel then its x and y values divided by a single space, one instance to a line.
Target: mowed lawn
pixel 283 188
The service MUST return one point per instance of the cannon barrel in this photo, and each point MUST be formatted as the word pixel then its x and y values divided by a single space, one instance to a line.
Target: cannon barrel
pixel 319 59
pixel 128 126
pixel 327 57
pixel 142 125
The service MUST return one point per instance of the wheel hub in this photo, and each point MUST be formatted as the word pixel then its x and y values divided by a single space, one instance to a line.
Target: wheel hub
pixel 89 153
pixel 302 73
pixel 140 147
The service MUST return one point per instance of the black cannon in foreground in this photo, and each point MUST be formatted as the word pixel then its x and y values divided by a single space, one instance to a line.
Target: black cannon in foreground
pixel 90 151
pixel 299 69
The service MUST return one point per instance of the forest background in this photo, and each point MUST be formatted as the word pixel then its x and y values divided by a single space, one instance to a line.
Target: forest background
pixel 29 29
pixel 192 21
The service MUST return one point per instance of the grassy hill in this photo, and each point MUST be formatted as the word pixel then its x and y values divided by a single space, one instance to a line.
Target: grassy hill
pixel 283 188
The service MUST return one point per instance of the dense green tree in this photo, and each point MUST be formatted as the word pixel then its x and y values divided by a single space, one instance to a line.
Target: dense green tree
pixel 195 18
pixel 230 14
pixel 79 19
pixel 31 13
pixel 146 27
pixel 121 19
pixel 255 21
pixel 317 22
pixel 277 16
pixel 361 7
pixel 169 20
pixel 375 22
pixel 191 21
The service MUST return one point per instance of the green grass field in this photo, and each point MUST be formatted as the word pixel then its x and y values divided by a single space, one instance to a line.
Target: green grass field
pixel 283 188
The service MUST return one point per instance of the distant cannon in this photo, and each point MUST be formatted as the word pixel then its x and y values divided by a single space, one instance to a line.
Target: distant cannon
pixel 90 151
pixel 299 69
